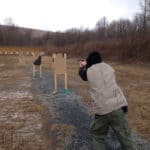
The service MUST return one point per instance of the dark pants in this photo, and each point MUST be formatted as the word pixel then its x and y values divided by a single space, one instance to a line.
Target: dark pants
pixel 117 121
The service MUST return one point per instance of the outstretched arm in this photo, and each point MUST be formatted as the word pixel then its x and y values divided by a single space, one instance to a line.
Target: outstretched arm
pixel 83 73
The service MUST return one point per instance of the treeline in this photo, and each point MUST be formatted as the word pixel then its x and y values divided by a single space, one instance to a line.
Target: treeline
pixel 121 39
pixel 11 35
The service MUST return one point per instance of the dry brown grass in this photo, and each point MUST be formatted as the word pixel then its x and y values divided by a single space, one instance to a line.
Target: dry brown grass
pixel 20 113
pixel 29 106
pixel 26 114
pixel 134 81
pixel 18 48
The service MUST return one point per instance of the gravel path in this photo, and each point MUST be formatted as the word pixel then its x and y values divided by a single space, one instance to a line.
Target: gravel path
pixel 69 109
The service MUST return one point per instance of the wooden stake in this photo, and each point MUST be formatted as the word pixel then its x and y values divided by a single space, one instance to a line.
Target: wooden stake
pixel 33 70
pixel 41 71
pixel 65 57
pixel 66 81
pixel 55 84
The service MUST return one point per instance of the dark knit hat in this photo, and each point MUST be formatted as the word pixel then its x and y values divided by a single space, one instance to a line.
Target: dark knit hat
pixel 94 57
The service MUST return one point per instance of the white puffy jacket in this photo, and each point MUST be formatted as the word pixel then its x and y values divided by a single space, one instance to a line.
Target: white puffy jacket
pixel 105 92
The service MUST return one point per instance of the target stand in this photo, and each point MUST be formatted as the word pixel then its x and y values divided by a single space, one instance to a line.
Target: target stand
pixel 59 64
pixel 36 66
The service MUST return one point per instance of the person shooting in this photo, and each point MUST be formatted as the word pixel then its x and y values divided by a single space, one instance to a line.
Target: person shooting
pixel 110 105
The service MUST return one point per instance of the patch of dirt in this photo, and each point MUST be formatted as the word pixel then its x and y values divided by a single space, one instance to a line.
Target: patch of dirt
pixel 20 115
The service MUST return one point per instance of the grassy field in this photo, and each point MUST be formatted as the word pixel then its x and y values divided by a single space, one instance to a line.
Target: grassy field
pixel 134 79
pixel 21 113
pixel 18 48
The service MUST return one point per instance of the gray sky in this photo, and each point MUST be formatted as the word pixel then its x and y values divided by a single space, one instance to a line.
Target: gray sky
pixel 59 15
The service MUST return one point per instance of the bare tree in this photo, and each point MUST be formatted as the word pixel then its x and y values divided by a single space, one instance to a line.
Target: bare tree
pixel 9 21
pixel 101 28
pixel 145 14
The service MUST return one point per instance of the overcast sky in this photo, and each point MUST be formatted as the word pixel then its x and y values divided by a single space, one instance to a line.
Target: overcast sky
pixel 59 15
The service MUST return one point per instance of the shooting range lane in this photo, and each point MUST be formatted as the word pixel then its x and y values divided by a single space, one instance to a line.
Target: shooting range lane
pixel 66 120
pixel 66 109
